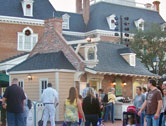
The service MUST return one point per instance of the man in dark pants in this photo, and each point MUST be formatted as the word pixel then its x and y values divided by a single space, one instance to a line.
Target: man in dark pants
pixel 15 99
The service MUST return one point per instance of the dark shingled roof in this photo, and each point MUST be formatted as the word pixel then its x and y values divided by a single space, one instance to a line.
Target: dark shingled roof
pixel 101 10
pixel 125 50
pixel 73 38
pixel 55 60
pixel 76 22
pixel 42 9
pixel 110 60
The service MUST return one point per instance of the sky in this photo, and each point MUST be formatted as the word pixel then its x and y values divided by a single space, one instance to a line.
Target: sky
pixel 69 5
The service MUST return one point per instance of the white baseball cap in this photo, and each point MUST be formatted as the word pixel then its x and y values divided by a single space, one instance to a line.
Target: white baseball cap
pixel 164 82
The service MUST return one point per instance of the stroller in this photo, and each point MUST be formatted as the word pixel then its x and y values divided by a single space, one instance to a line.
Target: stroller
pixel 131 119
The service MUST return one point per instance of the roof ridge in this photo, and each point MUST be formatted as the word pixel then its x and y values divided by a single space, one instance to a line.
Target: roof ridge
pixel 123 5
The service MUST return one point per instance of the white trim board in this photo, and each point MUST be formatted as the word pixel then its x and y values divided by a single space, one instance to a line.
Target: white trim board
pixel 97 31
pixel 24 21
pixel 112 73
pixel 42 71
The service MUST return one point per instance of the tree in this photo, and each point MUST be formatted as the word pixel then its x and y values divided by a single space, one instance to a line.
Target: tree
pixel 148 45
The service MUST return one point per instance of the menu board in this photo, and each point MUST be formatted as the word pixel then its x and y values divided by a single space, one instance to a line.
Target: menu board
pixel 118 86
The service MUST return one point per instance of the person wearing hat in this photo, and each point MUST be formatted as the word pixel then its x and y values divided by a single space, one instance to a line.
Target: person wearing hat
pixel 164 85
pixel 153 104
pixel 110 106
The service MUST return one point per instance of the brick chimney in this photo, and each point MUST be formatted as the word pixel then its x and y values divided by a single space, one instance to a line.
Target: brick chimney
pixel 53 23
pixel 156 5
pixel 78 6
pixel 86 11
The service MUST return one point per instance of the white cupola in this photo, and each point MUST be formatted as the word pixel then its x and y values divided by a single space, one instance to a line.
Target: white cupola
pixel 27 6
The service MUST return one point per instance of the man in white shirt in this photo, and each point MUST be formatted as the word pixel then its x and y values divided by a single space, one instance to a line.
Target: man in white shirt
pixel 84 93
pixel 50 100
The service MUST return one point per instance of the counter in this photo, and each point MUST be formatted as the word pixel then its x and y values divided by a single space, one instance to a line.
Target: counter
pixel 120 108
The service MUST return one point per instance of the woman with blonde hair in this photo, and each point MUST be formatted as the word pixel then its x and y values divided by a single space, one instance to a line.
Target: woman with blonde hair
pixel 72 107
pixel 91 108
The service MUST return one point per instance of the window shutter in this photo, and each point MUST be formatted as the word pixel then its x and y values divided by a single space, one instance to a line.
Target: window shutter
pixel 34 40
pixel 20 41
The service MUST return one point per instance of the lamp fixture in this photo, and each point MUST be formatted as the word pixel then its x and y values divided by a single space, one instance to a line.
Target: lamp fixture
pixel 114 83
pixel 124 83
pixel 89 39
pixel 29 77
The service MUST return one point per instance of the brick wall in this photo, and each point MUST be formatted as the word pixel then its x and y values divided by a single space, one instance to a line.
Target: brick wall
pixel 53 41
pixel 8 38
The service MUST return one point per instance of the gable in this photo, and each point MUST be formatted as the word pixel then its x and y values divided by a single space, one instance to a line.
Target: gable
pixel 53 41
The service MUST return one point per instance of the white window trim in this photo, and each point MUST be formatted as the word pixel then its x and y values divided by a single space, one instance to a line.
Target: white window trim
pixel 41 79
pixel 112 26
pixel 24 4
pixel 130 60
pixel 21 80
pixel 138 22
pixel 23 35
pixel 66 25
pixel 163 26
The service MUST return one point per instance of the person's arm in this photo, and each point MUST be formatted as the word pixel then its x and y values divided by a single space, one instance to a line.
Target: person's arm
pixel 157 114
pixel 4 102
pixel 56 99
pixel 80 109
pixel 142 108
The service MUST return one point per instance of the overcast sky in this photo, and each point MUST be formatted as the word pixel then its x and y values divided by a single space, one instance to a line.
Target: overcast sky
pixel 69 5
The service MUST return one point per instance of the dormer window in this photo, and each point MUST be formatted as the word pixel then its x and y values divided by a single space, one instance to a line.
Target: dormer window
pixel 27 6
pixel 91 54
pixel 111 21
pixel 26 39
pixel 66 21
pixel 140 24
pixel 132 60
pixel 163 27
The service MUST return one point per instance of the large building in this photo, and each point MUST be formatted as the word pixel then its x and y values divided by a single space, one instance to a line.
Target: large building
pixel 72 49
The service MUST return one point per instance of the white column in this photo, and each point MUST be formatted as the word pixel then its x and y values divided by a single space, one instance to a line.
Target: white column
pixel 57 88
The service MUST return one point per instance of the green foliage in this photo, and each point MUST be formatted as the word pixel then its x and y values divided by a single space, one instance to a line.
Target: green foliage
pixel 151 43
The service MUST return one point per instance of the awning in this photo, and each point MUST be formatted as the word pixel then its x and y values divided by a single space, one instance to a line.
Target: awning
pixel 4 80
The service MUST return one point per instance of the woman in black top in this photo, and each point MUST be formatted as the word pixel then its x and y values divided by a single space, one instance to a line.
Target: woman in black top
pixel 91 108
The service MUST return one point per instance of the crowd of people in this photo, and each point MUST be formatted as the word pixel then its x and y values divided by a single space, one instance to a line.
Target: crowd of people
pixel 90 108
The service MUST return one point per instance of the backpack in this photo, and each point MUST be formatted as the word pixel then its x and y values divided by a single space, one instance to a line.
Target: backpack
pixel 105 99
pixel 29 103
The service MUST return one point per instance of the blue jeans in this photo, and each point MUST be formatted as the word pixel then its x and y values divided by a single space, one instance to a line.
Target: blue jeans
pixel 91 118
pixel 163 120
pixel 71 124
pixel 151 121
pixel 110 109
pixel 15 119
pixel 142 118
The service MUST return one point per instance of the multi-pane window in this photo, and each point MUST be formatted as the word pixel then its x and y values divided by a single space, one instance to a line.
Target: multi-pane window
pixel 21 84
pixel 132 60
pixel 91 54
pixel 27 40
pixel 43 85
pixel 65 23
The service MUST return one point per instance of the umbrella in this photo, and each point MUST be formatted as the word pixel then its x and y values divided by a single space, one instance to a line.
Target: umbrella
pixel 4 80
